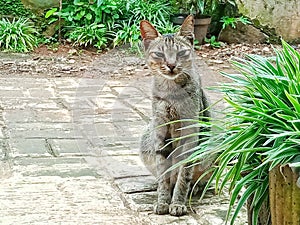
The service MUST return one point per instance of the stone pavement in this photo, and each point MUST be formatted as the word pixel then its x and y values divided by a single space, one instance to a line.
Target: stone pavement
pixel 69 153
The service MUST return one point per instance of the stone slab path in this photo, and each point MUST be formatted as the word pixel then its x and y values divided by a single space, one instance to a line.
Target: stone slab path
pixel 69 152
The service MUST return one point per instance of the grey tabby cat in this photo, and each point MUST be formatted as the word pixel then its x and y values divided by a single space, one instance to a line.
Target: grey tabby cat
pixel 177 94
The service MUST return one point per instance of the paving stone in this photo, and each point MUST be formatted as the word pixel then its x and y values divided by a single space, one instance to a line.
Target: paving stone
pixel 213 209
pixel 3 150
pixel 107 104
pixel 42 92
pixel 11 93
pixel 28 147
pixel 133 129
pixel 21 116
pixel 104 129
pixel 123 166
pixel 137 184
pixel 54 200
pixel 133 144
pixel 90 115
pixel 18 115
pixel 66 83
pixel 69 147
pixel 77 103
pixel 118 149
pixel 128 91
pixel 27 103
pixel 6 169
pixel 53 166
pixel 1 133
pixel 171 220
pixel 143 201
pixel 43 130
pixel 124 117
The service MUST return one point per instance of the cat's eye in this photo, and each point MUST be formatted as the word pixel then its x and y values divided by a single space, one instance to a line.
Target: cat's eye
pixel 183 53
pixel 158 54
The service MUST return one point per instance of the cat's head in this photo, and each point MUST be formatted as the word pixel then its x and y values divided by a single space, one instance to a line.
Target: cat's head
pixel 169 55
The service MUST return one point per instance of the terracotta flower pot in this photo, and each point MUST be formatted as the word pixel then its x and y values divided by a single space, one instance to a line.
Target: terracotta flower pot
pixel 178 18
pixel 284 196
pixel 201 27
pixel 201 24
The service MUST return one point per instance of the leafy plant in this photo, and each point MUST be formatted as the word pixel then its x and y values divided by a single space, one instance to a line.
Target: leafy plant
pixel 232 21
pixel 122 17
pixel 85 12
pixel 127 34
pixel 154 11
pixel 260 130
pixel 90 35
pixel 213 42
pixel 157 12
pixel 81 17
pixel 197 7
pixel 17 35
pixel 166 27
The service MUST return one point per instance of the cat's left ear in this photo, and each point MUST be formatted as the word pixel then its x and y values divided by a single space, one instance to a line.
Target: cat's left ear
pixel 187 28
pixel 148 33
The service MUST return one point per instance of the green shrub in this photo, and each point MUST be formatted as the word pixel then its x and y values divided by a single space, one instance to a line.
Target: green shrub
pixel 232 21
pixel 213 42
pixel 85 12
pixel 81 17
pixel 80 13
pixel 121 18
pixel 153 11
pixel 90 35
pixel 17 35
pixel 133 11
pixel 127 33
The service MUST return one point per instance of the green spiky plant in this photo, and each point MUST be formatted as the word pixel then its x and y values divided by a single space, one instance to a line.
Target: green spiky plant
pixel 90 35
pixel 260 130
pixel 18 35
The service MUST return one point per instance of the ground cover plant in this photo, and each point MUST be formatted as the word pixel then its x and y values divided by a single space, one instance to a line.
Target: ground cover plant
pixel 119 19
pixel 260 130
pixel 18 35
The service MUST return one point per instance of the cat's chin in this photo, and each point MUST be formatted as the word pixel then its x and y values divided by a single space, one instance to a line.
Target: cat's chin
pixel 170 76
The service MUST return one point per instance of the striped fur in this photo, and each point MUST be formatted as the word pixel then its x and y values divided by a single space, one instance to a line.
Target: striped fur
pixel 177 95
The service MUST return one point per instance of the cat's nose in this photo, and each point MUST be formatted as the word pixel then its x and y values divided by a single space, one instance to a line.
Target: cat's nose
pixel 171 66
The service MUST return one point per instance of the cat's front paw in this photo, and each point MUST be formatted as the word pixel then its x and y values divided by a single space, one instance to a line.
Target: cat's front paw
pixel 161 208
pixel 177 210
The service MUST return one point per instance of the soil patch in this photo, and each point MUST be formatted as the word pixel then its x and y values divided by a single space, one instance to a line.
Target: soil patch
pixel 119 63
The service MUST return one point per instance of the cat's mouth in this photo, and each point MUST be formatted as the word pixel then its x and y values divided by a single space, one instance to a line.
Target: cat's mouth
pixel 170 75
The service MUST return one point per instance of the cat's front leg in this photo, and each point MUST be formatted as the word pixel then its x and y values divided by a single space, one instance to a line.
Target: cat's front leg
pixel 162 165
pixel 164 187
pixel 181 190
pixel 185 173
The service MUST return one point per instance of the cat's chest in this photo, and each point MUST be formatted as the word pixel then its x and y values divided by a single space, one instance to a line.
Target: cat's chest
pixel 175 101
pixel 173 92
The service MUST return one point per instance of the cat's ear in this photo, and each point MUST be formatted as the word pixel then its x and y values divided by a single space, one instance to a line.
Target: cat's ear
pixel 148 33
pixel 187 28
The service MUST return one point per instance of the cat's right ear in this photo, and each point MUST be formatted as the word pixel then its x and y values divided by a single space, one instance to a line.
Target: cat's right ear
pixel 148 33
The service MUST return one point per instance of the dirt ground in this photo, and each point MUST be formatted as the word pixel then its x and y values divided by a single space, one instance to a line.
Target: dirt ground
pixel 119 63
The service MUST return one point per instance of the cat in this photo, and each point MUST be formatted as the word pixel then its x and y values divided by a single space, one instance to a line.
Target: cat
pixel 176 95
